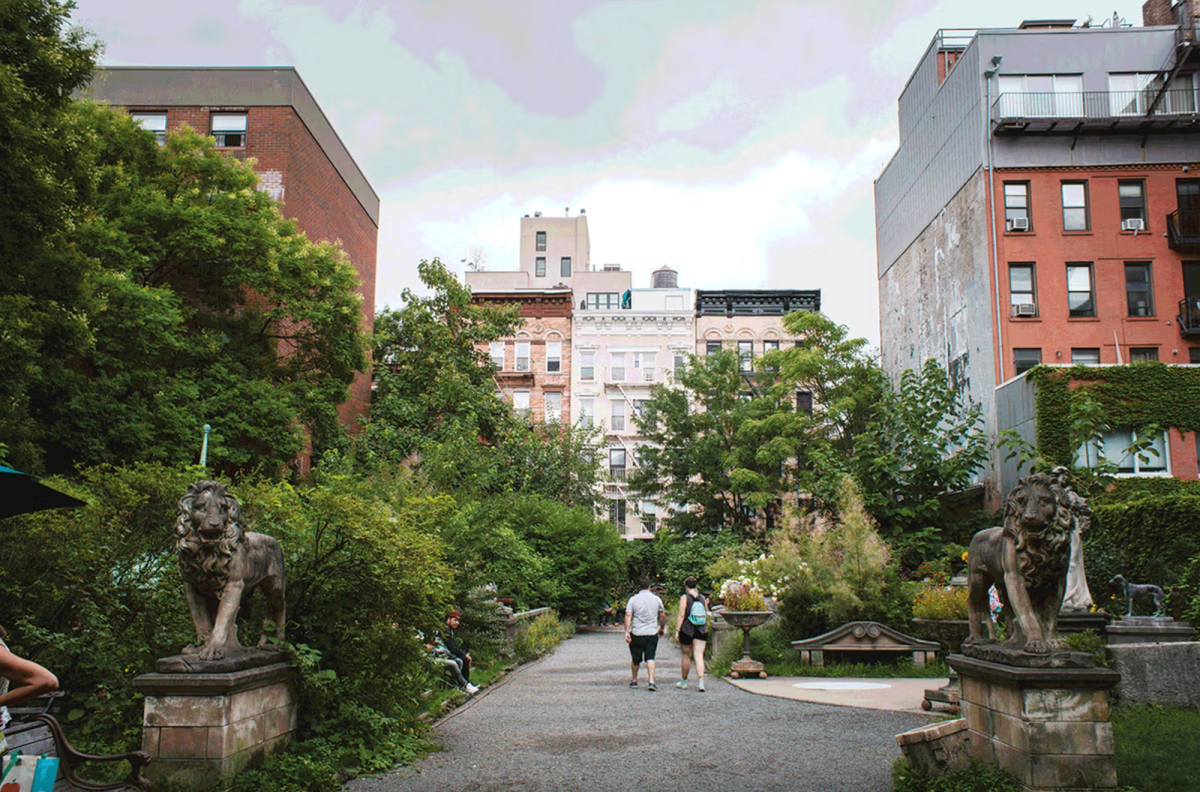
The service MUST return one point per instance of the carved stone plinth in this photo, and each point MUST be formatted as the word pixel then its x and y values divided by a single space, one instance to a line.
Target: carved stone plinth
pixel 1079 621
pixel 1047 726
pixel 1148 629
pixel 201 729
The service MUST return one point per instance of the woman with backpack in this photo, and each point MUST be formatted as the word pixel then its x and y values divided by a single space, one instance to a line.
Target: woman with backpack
pixel 691 631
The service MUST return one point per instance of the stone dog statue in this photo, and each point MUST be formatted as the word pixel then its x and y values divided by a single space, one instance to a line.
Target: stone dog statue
pixel 1026 559
pixel 1132 590
pixel 221 563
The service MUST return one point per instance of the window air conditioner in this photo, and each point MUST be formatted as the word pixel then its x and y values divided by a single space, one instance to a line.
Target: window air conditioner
pixel 1133 224
pixel 1024 309
pixel 1018 224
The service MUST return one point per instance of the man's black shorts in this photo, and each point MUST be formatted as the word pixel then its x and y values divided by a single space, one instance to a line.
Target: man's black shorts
pixel 643 647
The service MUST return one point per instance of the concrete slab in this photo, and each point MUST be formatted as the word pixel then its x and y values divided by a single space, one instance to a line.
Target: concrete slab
pixel 900 695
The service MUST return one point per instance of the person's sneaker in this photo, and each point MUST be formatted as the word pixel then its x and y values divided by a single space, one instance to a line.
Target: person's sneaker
pixel 633 683
pixel 652 686
pixel 472 689
pixel 701 684
pixel 682 684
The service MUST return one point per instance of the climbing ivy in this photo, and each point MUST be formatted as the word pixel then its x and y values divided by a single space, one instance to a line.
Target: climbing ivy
pixel 1133 396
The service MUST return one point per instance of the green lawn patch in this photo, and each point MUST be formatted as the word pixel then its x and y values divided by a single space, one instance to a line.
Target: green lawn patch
pixel 1157 748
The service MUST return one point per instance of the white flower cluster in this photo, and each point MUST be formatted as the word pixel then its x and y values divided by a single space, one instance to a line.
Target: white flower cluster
pixel 762 574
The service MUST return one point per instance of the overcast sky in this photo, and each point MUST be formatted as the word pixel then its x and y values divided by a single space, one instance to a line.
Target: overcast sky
pixel 734 140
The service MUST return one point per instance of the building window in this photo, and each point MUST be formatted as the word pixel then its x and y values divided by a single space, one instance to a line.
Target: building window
pixel 746 356
pixel 680 363
pixel 539 267
pixel 522 356
pixel 616 513
pixel 1194 359
pixel 616 463
pixel 1075 208
pixel 521 402
pixel 712 347
pixel 768 347
pixel 553 357
pixel 1080 300
pixel 649 516
pixel 1115 447
pixel 1132 197
pixel 229 129
pixel 587 413
pixel 603 301
pixel 565 267
pixel 496 353
pixel 541 241
pixel 587 366
pixel 1016 207
pixel 804 401
pixel 648 363
pixel 1041 95
pixel 1085 356
pixel 553 406
pixel 1132 94
pixel 617 370
pixel 1022 292
pixel 153 122
pixel 617 414
pixel 1138 294
pixel 1142 354
pixel 1025 359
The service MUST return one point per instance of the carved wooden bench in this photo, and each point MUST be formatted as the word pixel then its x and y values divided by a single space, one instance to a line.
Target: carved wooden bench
pixel 37 734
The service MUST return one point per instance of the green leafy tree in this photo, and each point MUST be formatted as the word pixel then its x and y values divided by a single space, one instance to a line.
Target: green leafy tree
pixel 923 442
pixel 433 378
pixel 46 175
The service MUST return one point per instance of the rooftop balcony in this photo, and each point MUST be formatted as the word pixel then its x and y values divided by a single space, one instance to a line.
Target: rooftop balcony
pixel 1095 112
pixel 1183 231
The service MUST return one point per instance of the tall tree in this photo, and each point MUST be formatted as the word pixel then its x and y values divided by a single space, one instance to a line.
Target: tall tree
pixel 46 176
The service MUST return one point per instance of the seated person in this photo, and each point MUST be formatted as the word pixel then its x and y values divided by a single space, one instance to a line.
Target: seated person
pixel 440 655
pixel 20 680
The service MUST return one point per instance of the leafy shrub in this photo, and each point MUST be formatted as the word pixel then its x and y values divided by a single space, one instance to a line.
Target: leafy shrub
pixel 978 777
pixel 1148 539
pixel 1092 643
pixel 940 602
pixel 541 635
pixel 692 555
pixel 482 625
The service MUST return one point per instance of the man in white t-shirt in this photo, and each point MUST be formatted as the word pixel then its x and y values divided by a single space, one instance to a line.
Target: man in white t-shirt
pixel 645 621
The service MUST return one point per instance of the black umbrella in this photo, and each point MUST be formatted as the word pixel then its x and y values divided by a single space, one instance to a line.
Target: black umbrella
pixel 21 494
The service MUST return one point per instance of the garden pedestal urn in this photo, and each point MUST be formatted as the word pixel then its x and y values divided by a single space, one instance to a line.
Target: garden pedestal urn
pixel 746 621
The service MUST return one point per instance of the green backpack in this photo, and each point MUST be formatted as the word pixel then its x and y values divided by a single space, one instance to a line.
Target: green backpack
pixel 697 613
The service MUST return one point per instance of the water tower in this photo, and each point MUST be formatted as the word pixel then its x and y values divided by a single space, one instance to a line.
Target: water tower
pixel 664 278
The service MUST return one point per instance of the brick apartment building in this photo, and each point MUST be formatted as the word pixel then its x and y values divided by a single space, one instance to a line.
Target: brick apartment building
pixel 268 114
pixel 1042 208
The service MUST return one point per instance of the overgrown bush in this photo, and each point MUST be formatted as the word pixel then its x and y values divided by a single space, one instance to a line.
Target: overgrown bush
pixel 979 777
pixel 541 635
pixel 1147 539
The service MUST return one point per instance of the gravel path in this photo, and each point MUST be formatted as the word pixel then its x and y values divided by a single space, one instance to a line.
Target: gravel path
pixel 570 722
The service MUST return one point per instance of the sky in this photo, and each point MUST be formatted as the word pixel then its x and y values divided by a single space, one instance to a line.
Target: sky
pixel 736 141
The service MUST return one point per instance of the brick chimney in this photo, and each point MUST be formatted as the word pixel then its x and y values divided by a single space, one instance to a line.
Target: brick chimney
pixel 1158 12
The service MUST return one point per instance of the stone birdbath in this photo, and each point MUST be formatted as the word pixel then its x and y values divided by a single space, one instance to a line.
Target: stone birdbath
pixel 746 621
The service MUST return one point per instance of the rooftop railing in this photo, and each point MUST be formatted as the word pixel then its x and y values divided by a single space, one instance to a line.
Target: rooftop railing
pixel 1073 111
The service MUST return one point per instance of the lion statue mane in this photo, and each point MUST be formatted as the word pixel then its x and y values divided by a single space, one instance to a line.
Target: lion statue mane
pixel 1026 559
pixel 221 563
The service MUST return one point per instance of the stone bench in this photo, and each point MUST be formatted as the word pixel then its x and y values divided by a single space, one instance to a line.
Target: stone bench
pixel 866 638
pixel 34 735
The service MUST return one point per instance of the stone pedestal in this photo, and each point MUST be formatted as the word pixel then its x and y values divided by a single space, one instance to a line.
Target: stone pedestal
pixel 1148 629
pixel 1047 726
pixel 201 729
pixel 1079 621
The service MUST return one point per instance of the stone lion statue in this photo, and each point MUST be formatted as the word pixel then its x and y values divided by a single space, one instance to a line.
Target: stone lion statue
pixel 221 563
pixel 1026 560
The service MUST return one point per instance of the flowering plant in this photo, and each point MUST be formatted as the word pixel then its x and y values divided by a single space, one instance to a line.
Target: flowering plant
pixel 741 595
pixel 934 601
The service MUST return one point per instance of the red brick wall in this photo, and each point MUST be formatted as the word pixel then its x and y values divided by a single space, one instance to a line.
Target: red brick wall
pixel 1108 248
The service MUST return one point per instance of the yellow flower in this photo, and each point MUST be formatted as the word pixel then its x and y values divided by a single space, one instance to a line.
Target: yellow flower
pixel 964 555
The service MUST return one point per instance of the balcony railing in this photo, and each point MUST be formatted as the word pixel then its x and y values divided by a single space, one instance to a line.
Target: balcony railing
pixel 1189 317
pixel 1183 230
pixel 1112 112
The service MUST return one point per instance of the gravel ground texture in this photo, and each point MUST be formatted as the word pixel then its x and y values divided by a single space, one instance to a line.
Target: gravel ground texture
pixel 571 722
